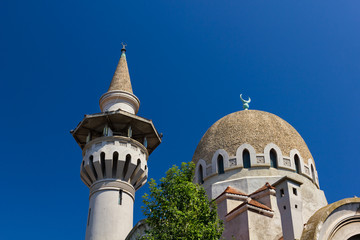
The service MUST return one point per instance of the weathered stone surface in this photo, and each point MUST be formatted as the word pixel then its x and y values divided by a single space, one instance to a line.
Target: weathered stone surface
pixel 315 225
pixel 121 78
pixel 254 127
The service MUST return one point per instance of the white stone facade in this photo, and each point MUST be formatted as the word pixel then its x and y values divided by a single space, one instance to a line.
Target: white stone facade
pixel 114 167
pixel 288 211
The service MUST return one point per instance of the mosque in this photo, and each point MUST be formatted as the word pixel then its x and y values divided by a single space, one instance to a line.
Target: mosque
pixel 254 164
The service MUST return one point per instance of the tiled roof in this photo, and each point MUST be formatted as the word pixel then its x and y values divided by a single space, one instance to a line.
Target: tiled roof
pixel 263 188
pixel 259 205
pixel 251 202
pixel 232 190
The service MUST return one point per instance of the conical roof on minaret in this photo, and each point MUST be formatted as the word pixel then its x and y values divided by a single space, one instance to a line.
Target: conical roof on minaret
pixel 120 94
pixel 121 79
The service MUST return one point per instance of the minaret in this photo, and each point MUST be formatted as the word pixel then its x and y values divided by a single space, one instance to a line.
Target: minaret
pixel 116 144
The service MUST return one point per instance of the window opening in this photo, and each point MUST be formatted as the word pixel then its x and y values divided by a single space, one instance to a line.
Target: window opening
pixel 282 193
pixel 273 158
pixel 246 159
pixel 220 163
pixel 115 162
pixel 297 164
pixel 126 166
pixel 102 162
pixel 295 191
pixel 91 161
pixel 313 173
pixel 120 196
pixel 200 175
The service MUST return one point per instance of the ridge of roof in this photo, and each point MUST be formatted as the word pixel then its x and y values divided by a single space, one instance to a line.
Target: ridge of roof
pixel 251 202
pixel 263 188
pixel 232 190
pixel 288 179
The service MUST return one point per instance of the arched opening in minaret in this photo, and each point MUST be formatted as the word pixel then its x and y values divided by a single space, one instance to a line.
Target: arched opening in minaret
pixel 115 163
pixel 200 175
pixel 313 173
pixel 126 166
pixel 102 163
pixel 220 164
pixel 136 170
pixel 273 158
pixel 91 163
pixel 246 159
pixel 297 163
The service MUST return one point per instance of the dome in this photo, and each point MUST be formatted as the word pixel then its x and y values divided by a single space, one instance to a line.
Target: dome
pixel 253 127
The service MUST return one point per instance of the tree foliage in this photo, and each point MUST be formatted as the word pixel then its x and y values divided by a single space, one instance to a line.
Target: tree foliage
pixel 179 209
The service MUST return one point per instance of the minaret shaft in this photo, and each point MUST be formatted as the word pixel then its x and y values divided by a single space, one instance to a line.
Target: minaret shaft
pixel 110 214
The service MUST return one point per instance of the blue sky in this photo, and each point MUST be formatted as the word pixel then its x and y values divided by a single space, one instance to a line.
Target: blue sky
pixel 188 61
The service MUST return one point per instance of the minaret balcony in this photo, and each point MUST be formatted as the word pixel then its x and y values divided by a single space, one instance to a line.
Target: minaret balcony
pixel 114 157
pixel 119 122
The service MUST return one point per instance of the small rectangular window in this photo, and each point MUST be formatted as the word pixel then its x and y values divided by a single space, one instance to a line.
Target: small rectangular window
pixel 120 197
pixel 282 193
pixel 295 191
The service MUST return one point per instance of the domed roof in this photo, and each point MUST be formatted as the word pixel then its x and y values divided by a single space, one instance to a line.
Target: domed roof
pixel 253 127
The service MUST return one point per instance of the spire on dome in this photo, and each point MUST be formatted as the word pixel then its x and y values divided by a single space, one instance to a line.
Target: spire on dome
pixel 121 79
pixel 245 102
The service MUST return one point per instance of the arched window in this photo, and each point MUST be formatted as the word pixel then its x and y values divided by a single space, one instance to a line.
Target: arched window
pixel 102 162
pixel 297 163
pixel 246 159
pixel 313 173
pixel 115 162
pixel 91 163
pixel 273 158
pixel 126 166
pixel 200 175
pixel 220 164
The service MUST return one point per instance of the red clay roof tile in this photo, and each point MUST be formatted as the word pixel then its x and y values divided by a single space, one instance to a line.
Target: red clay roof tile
pixel 253 203
pixel 263 188
pixel 232 190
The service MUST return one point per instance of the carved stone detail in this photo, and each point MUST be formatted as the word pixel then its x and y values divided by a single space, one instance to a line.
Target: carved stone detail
pixel 287 162
pixel 307 170
pixel 260 159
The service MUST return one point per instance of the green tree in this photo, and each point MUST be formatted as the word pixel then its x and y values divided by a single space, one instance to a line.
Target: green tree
pixel 179 209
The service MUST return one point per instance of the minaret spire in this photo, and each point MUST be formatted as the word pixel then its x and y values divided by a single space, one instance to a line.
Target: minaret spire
pixel 121 79
pixel 120 94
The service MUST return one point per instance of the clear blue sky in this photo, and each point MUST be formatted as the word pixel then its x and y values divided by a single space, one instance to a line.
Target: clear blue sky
pixel 188 61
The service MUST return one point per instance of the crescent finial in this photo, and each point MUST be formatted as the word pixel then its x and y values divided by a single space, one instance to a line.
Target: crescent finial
pixel 245 102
